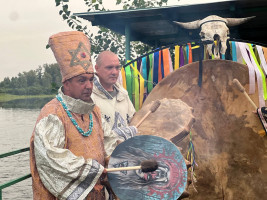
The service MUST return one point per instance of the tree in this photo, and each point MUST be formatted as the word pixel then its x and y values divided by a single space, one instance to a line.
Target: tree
pixel 22 80
pixel 39 74
pixel 31 78
pixel 53 70
pixel 106 39
pixel 14 83
pixel 34 81
pixel 46 80
pixel 6 82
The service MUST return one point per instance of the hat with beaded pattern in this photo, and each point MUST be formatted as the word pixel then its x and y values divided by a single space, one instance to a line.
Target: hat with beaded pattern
pixel 72 52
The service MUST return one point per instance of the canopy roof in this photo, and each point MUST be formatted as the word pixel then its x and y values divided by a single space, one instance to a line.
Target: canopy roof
pixel 155 26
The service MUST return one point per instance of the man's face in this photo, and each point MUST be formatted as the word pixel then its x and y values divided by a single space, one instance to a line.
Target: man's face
pixel 108 71
pixel 80 87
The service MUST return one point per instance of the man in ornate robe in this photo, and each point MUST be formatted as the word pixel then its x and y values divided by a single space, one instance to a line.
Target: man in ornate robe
pixel 70 141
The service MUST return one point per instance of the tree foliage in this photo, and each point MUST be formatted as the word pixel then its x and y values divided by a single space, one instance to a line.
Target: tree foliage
pixel 106 39
pixel 43 80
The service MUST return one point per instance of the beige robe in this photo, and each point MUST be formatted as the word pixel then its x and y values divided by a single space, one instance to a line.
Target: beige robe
pixel 116 111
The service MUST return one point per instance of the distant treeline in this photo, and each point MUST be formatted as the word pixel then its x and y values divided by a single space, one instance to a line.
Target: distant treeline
pixel 44 80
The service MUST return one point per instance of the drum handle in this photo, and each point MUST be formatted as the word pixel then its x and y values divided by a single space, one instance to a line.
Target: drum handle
pixel 145 166
pixel 153 108
pixel 123 169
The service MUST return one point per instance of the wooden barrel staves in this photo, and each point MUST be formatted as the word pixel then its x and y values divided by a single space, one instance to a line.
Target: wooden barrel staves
pixel 231 156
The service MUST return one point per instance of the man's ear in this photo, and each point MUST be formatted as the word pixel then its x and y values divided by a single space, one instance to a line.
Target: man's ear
pixel 66 85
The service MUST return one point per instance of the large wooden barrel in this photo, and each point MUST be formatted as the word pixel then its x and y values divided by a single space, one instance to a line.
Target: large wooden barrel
pixel 231 156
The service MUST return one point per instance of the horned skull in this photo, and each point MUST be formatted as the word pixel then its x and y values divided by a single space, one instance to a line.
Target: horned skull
pixel 214 28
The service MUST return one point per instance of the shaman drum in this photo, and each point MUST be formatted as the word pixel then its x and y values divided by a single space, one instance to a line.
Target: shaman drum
pixel 167 182
pixel 172 120
pixel 231 156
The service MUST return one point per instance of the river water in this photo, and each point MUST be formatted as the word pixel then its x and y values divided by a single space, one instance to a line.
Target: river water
pixel 16 126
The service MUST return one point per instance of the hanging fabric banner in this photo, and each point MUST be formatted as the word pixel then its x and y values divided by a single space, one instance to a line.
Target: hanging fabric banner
pixel 185 56
pixel 239 56
pixel 234 56
pixel 252 65
pixel 200 66
pixel 166 63
pixel 251 70
pixel 262 58
pixel 187 52
pixel 144 78
pixel 190 57
pixel 133 82
pixel 123 78
pixel 150 74
pixel 136 87
pixel 160 67
pixel 170 62
pixel 256 54
pixel 255 63
pixel 156 67
pixel 141 96
pixel 176 57
pixel 181 56
pixel 265 52
pixel 128 75
pixel 142 92
pixel 144 70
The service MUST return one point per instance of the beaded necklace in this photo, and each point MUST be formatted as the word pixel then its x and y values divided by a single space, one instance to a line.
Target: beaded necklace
pixel 74 121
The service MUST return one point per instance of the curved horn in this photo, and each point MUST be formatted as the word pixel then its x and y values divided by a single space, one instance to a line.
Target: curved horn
pixel 237 21
pixel 189 25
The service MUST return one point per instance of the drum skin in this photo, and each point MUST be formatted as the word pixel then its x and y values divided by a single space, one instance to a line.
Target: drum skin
pixel 173 120
pixel 231 156
pixel 167 182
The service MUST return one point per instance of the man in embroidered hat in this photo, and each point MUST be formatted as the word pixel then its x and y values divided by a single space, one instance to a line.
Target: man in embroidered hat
pixel 113 100
pixel 70 141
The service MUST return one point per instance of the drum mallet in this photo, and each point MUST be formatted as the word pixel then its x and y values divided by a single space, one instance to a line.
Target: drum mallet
pixel 145 166
pixel 153 108
pixel 242 89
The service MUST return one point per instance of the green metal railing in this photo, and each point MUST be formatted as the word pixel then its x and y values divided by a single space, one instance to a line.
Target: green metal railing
pixel 17 180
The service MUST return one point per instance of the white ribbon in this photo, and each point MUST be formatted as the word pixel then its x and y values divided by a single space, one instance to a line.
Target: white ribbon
pixel 241 46
pixel 252 69
pixel 170 62
pixel 262 58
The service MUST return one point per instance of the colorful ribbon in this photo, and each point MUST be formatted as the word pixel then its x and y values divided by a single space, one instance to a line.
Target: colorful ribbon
pixel 176 57
pixel 156 68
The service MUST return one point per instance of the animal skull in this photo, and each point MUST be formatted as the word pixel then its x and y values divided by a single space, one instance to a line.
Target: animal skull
pixel 214 28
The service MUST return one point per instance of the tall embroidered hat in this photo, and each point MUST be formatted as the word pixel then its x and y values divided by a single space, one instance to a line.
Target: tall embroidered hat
pixel 72 52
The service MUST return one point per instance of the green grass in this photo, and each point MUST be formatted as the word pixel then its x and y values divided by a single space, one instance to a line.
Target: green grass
pixel 9 97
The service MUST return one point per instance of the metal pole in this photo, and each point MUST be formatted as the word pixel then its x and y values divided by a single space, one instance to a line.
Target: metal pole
pixel 127 42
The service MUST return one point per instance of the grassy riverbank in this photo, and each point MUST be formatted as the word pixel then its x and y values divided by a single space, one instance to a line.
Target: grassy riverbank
pixel 10 97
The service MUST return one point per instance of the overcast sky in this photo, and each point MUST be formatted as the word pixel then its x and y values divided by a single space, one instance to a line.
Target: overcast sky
pixel 26 26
